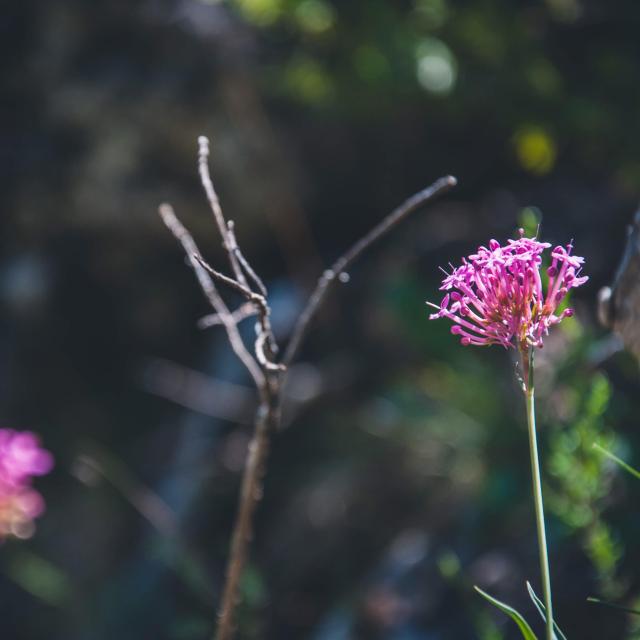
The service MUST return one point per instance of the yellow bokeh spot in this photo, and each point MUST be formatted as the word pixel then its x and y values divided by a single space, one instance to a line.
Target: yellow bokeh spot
pixel 308 80
pixel 261 12
pixel 535 149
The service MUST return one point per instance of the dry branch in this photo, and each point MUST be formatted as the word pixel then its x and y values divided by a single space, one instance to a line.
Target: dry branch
pixel 266 371
pixel 341 265
pixel 211 293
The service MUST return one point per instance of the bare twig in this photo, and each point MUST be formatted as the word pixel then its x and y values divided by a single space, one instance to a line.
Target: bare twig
pixel 341 265
pixel 267 338
pixel 211 293
pixel 244 262
pixel 264 339
pixel 230 282
pixel 266 372
pixel 267 421
pixel 247 310
pixel 228 239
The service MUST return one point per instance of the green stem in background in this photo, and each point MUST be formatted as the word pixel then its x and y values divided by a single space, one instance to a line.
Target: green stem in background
pixel 613 606
pixel 621 463
pixel 537 492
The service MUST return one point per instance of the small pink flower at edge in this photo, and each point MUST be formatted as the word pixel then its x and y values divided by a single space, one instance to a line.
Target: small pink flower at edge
pixel 21 458
pixel 495 296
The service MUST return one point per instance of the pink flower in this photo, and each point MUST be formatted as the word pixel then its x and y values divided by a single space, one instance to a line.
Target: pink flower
pixel 21 458
pixel 496 296
pixel 18 509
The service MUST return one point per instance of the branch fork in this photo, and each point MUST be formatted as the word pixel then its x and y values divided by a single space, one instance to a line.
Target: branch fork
pixel 268 373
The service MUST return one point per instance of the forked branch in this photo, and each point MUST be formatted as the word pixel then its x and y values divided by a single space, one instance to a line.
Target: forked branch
pixel 211 293
pixel 267 372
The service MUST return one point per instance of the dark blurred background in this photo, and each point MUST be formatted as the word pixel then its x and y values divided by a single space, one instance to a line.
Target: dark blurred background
pixel 402 476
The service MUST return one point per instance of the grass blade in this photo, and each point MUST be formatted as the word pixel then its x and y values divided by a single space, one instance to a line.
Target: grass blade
pixel 524 627
pixel 621 463
pixel 542 611
pixel 619 607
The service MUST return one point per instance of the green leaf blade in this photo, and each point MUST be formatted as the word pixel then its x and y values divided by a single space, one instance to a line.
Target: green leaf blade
pixel 543 611
pixel 612 605
pixel 523 625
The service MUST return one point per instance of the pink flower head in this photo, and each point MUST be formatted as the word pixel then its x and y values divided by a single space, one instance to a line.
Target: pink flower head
pixel 21 458
pixel 495 296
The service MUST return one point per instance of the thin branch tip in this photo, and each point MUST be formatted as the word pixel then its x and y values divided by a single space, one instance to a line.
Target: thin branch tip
pixel 165 209
pixel 446 183
pixel 342 264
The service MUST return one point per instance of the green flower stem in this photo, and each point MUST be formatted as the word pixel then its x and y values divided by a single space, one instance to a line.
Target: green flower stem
pixel 537 495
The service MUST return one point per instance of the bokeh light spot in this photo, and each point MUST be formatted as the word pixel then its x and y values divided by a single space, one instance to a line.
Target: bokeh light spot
pixel 308 81
pixel 315 16
pixel 535 149
pixel 369 63
pixel 261 12
pixel 431 13
pixel 436 69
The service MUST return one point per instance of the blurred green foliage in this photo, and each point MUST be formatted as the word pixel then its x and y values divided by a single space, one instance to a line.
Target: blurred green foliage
pixel 40 578
pixel 582 479
pixel 459 56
